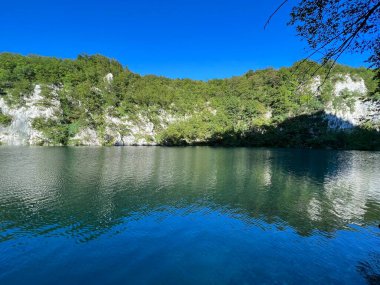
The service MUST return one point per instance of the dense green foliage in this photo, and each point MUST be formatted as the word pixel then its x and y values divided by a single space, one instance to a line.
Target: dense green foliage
pixel 225 111
pixel 5 120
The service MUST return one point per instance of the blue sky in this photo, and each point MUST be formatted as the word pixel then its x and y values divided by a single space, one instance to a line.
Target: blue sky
pixel 178 39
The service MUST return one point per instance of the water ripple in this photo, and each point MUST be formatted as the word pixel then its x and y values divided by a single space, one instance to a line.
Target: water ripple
pixel 188 215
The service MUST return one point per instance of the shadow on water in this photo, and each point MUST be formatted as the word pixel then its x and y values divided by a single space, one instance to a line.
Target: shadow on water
pixel 370 269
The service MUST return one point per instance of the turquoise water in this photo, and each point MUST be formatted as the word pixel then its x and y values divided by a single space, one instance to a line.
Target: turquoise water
pixel 154 215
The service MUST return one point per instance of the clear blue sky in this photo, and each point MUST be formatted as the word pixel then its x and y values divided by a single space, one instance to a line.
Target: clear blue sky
pixel 199 39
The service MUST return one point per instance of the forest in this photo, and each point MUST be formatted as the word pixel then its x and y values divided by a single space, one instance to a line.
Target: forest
pixel 269 107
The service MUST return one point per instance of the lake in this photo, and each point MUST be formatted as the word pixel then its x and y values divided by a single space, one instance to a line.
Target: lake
pixel 194 215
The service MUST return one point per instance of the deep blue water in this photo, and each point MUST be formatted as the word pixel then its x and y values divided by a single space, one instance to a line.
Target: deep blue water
pixel 154 215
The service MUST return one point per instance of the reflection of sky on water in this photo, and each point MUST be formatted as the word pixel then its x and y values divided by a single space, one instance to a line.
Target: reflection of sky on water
pixel 354 184
pixel 305 189
pixel 242 215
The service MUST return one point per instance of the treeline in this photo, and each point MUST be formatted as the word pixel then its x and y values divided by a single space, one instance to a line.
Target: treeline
pixel 237 107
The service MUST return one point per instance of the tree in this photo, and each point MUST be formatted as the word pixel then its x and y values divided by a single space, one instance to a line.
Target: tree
pixel 332 27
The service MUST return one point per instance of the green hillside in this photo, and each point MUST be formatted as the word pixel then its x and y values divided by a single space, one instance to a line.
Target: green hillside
pixel 270 107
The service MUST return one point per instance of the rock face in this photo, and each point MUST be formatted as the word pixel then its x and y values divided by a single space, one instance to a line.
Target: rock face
pixel 347 83
pixel 119 131
pixel 109 78
pixel 354 111
pixel 122 131
pixel 143 130
pixel 20 131
pixel 140 131
pixel 87 137
pixel 348 117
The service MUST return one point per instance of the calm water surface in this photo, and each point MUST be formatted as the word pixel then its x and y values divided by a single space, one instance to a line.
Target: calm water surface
pixel 152 215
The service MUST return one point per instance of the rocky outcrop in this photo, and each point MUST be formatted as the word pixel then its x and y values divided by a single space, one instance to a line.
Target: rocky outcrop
pixel 123 131
pixel 352 111
pixel 140 131
pixel 348 117
pixel 20 131
pixel 108 78
pixel 144 127
pixel 86 137
pixel 346 83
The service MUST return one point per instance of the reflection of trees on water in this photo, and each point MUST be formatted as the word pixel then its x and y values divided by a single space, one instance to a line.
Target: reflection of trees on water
pixel 86 191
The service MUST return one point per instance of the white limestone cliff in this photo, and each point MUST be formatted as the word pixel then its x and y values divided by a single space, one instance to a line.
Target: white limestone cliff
pixel 20 131
pixel 352 112
pixel 143 130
